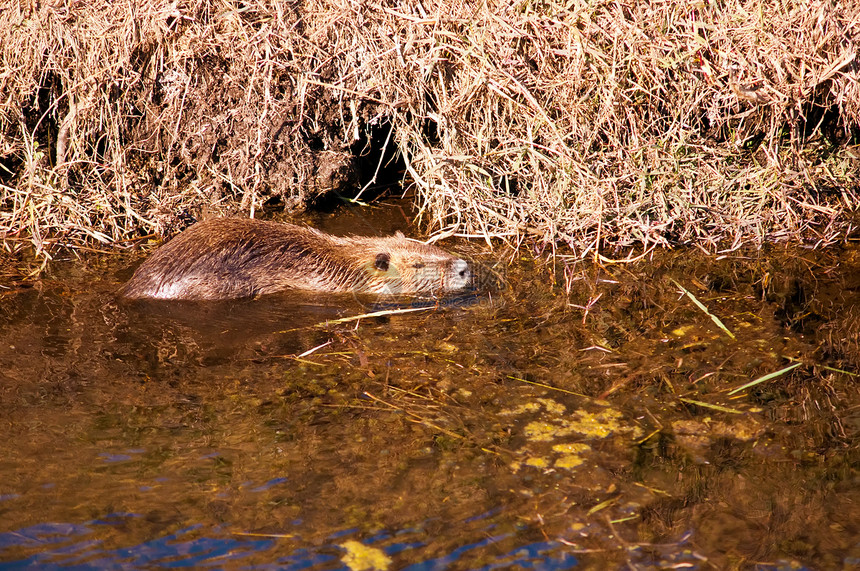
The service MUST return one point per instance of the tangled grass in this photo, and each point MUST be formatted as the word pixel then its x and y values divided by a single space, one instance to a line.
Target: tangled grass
pixel 601 125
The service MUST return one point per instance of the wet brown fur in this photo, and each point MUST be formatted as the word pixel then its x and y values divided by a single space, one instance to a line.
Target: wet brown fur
pixel 233 257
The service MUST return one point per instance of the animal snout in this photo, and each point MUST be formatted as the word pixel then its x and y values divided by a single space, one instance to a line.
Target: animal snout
pixel 462 274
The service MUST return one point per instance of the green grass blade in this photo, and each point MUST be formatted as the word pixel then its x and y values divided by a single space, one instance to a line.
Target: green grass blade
pixel 711 406
pixel 767 377
pixel 701 306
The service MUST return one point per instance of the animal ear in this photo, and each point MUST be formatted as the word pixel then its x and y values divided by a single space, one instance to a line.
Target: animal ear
pixel 382 261
pixel 399 234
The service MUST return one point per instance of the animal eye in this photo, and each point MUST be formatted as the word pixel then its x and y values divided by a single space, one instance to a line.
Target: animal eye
pixel 382 261
pixel 418 265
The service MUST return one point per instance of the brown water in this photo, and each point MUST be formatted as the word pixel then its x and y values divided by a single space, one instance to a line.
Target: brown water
pixel 510 429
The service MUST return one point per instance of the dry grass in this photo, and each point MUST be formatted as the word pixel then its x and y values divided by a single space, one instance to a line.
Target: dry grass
pixel 595 124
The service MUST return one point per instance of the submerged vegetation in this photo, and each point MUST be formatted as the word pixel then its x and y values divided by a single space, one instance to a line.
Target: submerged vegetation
pixel 595 124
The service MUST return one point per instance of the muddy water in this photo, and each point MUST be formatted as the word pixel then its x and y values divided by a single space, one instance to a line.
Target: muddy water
pixel 580 418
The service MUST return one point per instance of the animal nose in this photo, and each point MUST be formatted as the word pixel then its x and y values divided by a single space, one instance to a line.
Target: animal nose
pixel 463 270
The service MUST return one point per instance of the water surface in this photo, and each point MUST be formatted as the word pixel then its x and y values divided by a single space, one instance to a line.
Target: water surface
pixel 582 417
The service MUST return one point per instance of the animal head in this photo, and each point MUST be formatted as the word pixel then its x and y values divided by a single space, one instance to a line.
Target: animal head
pixel 397 265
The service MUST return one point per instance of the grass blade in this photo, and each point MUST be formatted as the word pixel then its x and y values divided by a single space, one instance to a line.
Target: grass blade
pixel 767 377
pixel 711 406
pixel 701 306
pixel 374 314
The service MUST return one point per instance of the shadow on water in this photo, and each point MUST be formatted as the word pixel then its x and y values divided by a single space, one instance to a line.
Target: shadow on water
pixel 585 416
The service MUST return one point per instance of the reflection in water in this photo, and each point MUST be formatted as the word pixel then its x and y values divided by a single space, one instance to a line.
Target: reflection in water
pixel 583 416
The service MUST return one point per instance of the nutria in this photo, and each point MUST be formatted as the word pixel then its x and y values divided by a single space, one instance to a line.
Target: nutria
pixel 228 258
